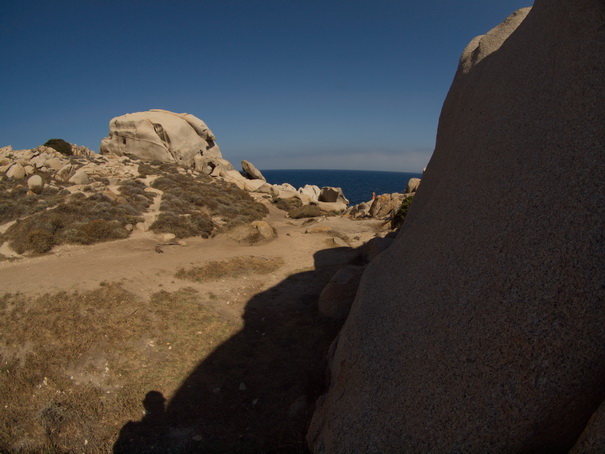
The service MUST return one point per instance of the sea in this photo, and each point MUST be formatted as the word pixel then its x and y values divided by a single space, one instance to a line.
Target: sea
pixel 357 185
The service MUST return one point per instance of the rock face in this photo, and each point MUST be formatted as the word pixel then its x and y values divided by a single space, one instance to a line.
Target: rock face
pixel 482 328
pixel 336 297
pixel 412 186
pixel 252 172
pixel 160 135
pixel 332 195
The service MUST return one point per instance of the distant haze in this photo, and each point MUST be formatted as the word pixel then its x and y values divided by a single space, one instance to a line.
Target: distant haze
pixel 284 84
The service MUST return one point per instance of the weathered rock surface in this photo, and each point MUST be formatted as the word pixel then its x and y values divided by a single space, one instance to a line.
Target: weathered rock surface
pixel 338 295
pixel 412 186
pixel 160 135
pixel 385 205
pixel 35 184
pixel 482 327
pixel 16 171
pixel 252 172
pixel 331 195
pixel 311 192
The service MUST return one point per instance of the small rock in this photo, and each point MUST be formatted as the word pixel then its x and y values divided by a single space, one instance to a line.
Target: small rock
pixel 242 386
pixel 168 237
pixel 340 242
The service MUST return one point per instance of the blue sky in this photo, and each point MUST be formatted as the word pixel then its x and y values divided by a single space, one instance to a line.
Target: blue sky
pixel 328 84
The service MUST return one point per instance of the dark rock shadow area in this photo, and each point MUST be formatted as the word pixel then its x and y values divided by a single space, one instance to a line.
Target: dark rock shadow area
pixel 256 392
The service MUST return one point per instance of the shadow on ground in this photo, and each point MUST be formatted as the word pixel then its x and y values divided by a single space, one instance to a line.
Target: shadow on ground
pixel 256 392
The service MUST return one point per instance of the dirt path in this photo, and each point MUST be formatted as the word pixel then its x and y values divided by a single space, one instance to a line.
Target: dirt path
pixel 135 264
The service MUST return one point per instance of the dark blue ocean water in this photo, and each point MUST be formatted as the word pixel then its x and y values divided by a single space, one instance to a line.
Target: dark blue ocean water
pixel 357 185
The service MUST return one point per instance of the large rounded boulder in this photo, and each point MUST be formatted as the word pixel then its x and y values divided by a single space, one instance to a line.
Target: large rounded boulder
pixel 482 328
pixel 161 135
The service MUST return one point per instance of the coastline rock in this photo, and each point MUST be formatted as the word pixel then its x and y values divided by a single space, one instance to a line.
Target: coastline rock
pixel 412 185
pixel 160 135
pixel 385 205
pixel 331 195
pixel 284 191
pixel 481 327
pixel 310 192
pixel 254 185
pixel 252 172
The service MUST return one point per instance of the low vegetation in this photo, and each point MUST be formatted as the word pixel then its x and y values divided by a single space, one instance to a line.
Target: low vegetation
pixel 183 226
pixel 16 201
pixel 79 219
pixel 233 267
pixel 74 367
pixel 197 200
pixel 133 191
pixel 401 213
pixel 287 204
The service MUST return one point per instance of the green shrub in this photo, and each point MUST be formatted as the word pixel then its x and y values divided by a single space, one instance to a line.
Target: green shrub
pixel 134 193
pixel 16 202
pixel 198 224
pixel 78 220
pixel 95 231
pixel 287 204
pixel 60 145
pixel 402 212
pixel 185 194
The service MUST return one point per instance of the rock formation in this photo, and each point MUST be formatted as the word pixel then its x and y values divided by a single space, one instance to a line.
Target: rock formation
pixel 482 327
pixel 163 136
pixel 412 186
pixel 252 172
pixel 332 195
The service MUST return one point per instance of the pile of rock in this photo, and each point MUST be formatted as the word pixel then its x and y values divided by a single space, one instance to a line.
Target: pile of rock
pixel 160 135
pixel 383 206
pixel 44 166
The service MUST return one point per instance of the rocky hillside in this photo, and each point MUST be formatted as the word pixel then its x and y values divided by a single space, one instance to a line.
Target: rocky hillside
pixel 159 172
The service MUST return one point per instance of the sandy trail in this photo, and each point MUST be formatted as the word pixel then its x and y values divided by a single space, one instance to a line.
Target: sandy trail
pixel 135 264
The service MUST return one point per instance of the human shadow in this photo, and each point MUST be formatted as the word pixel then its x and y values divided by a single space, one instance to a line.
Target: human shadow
pixel 256 392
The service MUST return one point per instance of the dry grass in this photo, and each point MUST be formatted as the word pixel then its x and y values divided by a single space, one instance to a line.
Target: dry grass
pixel 197 224
pixel 287 204
pixel 15 202
pixel 134 193
pixel 233 267
pixel 186 195
pixel 74 367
